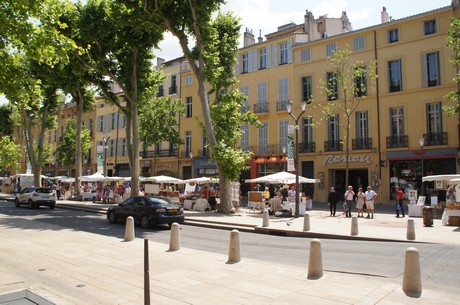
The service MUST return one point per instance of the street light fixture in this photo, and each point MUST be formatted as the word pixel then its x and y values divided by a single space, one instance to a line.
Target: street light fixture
pixel 297 161
pixel 421 141
pixel 284 157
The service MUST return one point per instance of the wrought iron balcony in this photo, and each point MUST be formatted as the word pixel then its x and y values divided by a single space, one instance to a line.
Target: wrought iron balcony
pixel 307 147
pixel 172 89
pixel 334 145
pixel 281 105
pixel 397 141
pixel 260 107
pixel 438 138
pixel 361 143
pixel 159 153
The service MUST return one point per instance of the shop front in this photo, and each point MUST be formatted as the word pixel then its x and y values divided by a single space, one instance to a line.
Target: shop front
pixel 204 167
pixel 408 167
pixel 363 171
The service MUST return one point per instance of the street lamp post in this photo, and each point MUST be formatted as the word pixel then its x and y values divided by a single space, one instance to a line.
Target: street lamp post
pixel 105 146
pixel 297 161
pixel 421 141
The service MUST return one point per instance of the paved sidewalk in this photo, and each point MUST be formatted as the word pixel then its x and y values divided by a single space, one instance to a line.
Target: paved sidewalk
pixel 71 267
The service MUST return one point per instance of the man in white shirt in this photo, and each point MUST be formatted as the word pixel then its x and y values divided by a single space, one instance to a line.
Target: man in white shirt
pixel 370 197
pixel 291 195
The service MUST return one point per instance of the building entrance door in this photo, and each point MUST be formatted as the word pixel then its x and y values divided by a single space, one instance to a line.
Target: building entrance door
pixel 357 178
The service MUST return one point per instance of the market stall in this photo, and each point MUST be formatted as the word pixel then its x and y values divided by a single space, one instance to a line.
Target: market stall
pixel 451 214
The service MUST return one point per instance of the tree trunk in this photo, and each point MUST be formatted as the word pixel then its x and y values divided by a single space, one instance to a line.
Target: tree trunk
pixel 78 154
pixel 225 193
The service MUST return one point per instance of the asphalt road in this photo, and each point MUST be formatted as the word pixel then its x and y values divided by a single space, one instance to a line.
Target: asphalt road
pixel 440 263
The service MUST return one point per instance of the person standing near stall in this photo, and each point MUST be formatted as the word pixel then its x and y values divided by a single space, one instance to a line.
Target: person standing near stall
pixel 349 196
pixel 333 198
pixel 370 197
pixel 399 201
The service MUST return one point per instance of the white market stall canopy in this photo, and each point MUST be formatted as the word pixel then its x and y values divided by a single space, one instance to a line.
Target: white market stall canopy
pixel 163 179
pixel 92 178
pixel 446 177
pixel 281 178
pixel 201 180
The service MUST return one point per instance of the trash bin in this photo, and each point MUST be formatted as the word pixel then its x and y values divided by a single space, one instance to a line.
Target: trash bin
pixel 427 217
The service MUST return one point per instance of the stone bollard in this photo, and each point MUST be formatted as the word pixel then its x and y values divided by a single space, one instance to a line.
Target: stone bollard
pixel 410 235
pixel 412 281
pixel 315 262
pixel 129 229
pixel 234 247
pixel 174 239
pixel 354 226
pixel 306 222
pixel 266 219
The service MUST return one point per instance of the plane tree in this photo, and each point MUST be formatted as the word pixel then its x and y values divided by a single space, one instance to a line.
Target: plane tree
pixel 213 42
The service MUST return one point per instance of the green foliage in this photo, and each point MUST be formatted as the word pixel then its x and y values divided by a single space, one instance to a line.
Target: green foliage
pixel 227 119
pixel 10 155
pixel 6 122
pixel 158 121
pixel 65 152
pixel 453 41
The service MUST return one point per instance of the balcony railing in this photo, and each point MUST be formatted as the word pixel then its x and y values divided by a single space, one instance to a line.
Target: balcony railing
pixel 159 153
pixel 361 143
pixel 281 105
pixel 397 141
pixel 244 109
pixel 172 89
pixel 307 147
pixel 333 145
pixel 438 138
pixel 261 108
pixel 161 92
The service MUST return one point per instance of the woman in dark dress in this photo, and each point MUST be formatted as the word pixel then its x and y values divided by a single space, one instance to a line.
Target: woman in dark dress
pixel 333 199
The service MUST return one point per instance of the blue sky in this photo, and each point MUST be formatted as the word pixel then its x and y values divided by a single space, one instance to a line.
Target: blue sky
pixel 267 15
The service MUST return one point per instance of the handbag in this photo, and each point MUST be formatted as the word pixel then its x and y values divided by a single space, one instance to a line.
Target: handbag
pixel 364 206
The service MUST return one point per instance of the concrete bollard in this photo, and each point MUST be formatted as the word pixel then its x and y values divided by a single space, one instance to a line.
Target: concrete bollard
pixel 129 229
pixel 174 239
pixel 234 247
pixel 266 219
pixel 315 262
pixel 412 281
pixel 410 235
pixel 354 226
pixel 306 222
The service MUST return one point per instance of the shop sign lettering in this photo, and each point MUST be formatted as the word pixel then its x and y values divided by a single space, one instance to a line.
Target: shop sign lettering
pixel 336 159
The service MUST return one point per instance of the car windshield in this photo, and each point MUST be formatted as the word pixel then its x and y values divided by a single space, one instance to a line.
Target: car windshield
pixel 41 190
pixel 160 201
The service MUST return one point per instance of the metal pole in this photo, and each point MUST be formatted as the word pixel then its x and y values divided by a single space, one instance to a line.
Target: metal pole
pixel 297 205
pixel 423 189
pixel 146 273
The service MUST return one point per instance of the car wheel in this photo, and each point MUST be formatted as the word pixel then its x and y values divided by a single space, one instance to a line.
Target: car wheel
pixel 112 217
pixel 30 204
pixel 145 222
pixel 52 206
pixel 16 203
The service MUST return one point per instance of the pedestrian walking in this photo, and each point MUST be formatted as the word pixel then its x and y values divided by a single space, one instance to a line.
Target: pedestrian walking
pixel 333 198
pixel 360 201
pixel 399 201
pixel 370 197
pixel 349 196
pixel 58 191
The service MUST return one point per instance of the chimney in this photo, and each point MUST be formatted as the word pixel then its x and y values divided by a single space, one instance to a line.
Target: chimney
pixel 260 39
pixel 160 62
pixel 248 38
pixel 384 15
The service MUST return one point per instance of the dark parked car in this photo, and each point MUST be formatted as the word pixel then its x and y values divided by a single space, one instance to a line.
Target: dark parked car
pixel 147 211
pixel 35 197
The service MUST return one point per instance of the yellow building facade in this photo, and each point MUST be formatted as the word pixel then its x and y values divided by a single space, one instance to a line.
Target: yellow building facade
pixel 414 75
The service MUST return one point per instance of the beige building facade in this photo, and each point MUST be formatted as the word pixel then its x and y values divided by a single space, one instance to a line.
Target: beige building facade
pixel 414 75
